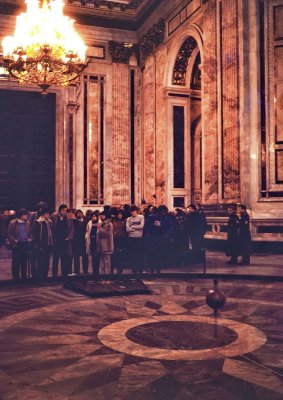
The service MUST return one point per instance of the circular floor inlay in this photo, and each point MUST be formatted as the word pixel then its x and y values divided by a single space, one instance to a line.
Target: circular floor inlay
pixel 120 335
pixel 178 335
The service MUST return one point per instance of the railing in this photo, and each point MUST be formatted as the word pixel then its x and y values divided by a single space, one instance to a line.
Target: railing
pixel 262 230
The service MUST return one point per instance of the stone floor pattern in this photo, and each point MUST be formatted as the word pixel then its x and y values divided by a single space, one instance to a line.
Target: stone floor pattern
pixel 216 263
pixel 58 345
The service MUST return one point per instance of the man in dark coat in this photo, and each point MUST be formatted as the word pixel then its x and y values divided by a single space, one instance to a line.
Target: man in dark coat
pixel 78 243
pixel 42 244
pixel 239 236
pixel 244 236
pixel 32 218
pixel 232 245
pixel 63 232
pixel 19 235
pixel 159 232
pixel 180 237
pixel 196 228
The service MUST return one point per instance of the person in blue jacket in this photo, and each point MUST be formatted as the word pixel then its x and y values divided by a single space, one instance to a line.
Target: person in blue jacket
pixel 159 232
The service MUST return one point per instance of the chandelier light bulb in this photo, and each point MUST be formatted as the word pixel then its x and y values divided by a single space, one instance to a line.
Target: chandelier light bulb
pixel 45 49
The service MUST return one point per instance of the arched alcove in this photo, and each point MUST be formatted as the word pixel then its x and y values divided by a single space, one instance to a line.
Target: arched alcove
pixel 185 80
pixel 182 60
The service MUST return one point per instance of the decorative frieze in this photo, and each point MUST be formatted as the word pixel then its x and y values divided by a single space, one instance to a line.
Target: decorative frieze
pixel 152 39
pixel 121 52
pixel 181 63
pixel 108 5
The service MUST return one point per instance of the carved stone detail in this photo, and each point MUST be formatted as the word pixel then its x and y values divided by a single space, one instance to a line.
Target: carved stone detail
pixel 181 63
pixel 121 52
pixel 72 107
pixel 152 39
pixel 109 5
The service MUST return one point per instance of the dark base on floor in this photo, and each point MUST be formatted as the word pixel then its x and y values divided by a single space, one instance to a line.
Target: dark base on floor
pixel 103 288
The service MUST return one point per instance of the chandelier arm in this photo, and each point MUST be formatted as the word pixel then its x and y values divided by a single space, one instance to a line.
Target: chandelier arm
pixel 45 50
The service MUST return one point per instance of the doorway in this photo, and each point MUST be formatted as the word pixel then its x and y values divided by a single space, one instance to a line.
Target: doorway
pixel 27 149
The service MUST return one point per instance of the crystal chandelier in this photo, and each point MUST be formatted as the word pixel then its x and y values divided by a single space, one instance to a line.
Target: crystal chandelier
pixel 45 49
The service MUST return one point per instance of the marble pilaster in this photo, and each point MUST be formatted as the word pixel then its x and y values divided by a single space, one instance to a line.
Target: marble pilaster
pixel 93 146
pixel 230 99
pixel 209 106
pixel 138 137
pixel 161 132
pixel 72 107
pixel 249 92
pixel 120 134
pixel 149 123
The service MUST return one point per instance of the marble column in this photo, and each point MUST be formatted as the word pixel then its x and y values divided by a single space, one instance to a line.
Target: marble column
pixel 161 128
pixel 230 99
pixel 93 141
pixel 120 134
pixel 249 92
pixel 149 123
pixel 72 108
pixel 209 106
pixel 138 136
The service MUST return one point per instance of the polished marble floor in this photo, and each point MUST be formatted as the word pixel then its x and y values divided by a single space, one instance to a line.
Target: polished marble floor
pixel 216 263
pixel 56 344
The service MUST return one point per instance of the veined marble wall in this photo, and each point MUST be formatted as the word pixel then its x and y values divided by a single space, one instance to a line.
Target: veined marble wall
pixel 149 116
pixel 161 129
pixel 229 75
pixel 121 134
pixel 209 106
pixel 230 108
pixel 227 36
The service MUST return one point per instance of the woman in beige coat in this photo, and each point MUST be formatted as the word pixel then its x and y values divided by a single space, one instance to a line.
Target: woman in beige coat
pixel 105 244
pixel 91 242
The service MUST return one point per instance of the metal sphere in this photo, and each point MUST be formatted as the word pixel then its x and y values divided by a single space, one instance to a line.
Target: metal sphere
pixel 215 299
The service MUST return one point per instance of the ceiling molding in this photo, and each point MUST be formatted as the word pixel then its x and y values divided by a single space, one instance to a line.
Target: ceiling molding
pixel 126 15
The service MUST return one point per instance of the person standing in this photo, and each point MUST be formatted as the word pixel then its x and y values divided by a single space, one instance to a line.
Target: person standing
pixel 159 232
pixel 42 244
pixel 244 236
pixel 19 235
pixel 32 218
pixel 105 244
pixel 202 228
pixel 63 232
pixel 233 245
pixel 134 228
pixel 180 237
pixel 79 244
pixel 119 231
pixel 34 215
pixel 91 242
pixel 195 231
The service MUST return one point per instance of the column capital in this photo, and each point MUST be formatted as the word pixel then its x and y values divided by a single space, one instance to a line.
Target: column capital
pixel 72 107
pixel 121 51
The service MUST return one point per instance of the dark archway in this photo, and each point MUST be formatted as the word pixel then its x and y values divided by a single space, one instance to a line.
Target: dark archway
pixel 27 149
pixel 182 59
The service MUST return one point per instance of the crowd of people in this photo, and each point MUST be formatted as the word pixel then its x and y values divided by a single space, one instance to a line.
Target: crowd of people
pixel 113 239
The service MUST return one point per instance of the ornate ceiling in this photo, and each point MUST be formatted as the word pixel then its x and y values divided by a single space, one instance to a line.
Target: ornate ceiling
pixel 122 14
